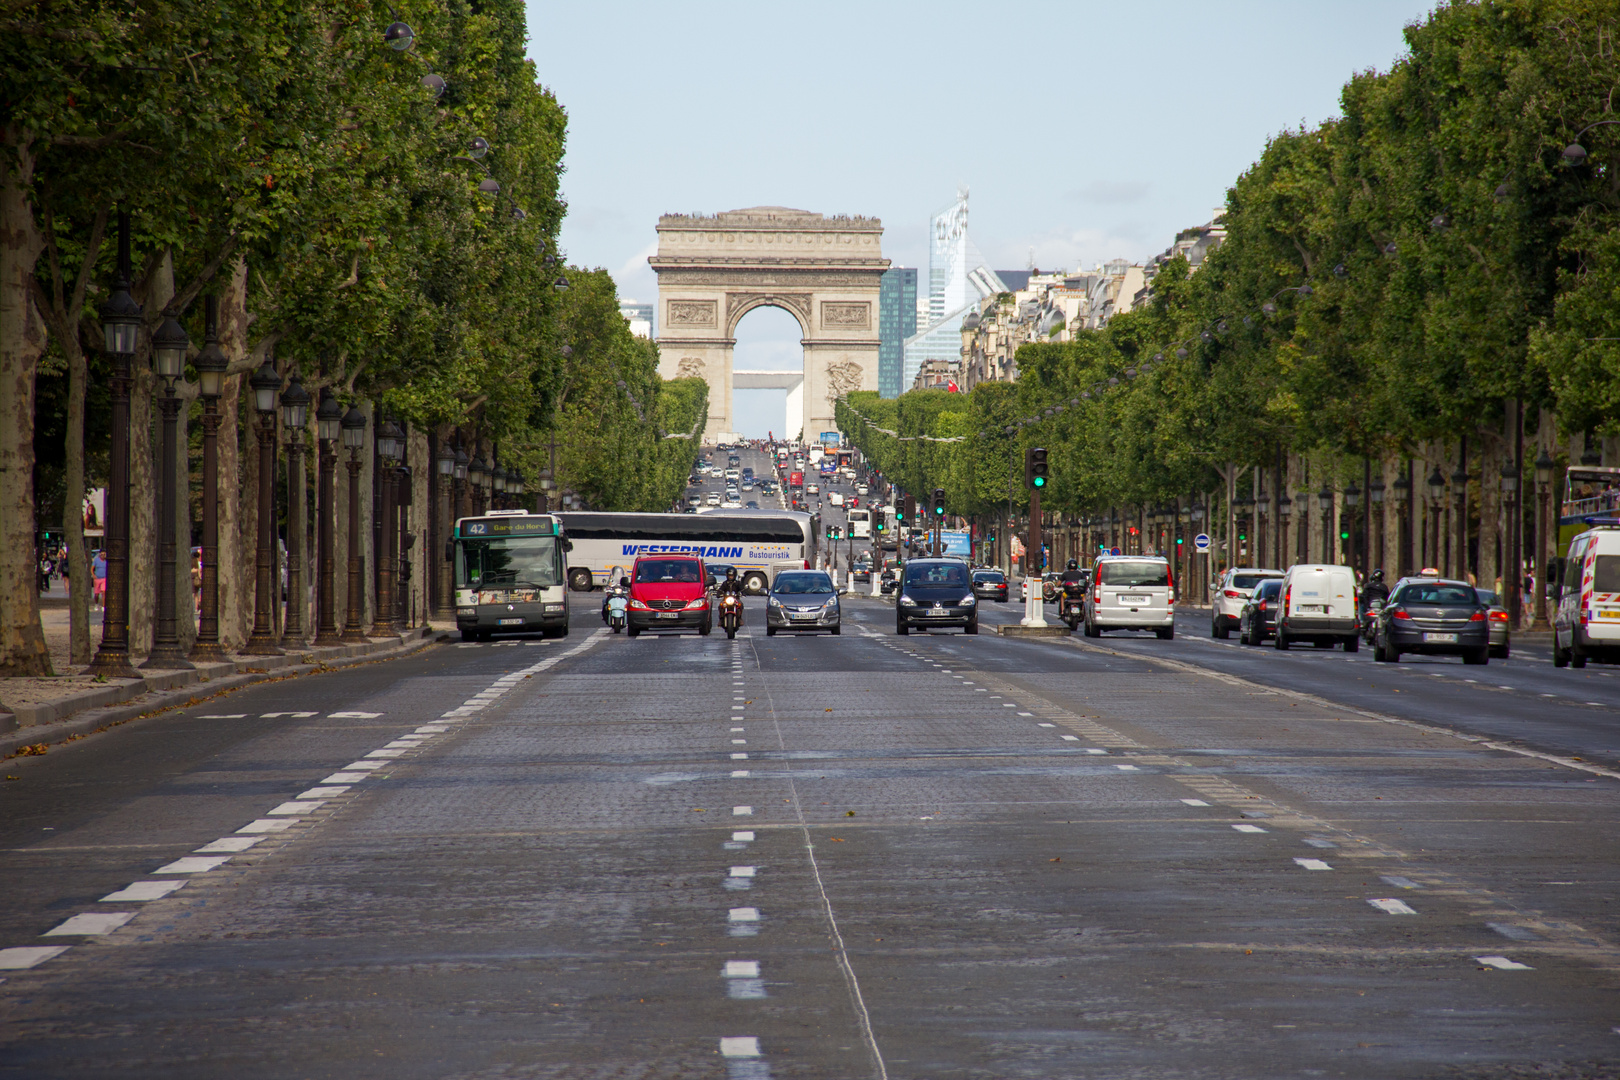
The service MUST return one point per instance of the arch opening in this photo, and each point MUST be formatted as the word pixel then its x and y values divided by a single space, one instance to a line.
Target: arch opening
pixel 769 339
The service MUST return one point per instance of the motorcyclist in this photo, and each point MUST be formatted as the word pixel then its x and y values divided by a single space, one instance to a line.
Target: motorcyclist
pixel 1374 590
pixel 1073 583
pixel 620 589
pixel 732 583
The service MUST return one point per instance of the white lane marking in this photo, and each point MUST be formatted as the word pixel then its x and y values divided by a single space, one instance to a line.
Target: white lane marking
pixel 743 836
pixel 1502 963
pixel 295 807
pixel 980 690
pixel 32 955
pixel 736 729
pixel 402 744
pixel 275 715
pixel 89 923
pixel 739 757
pixel 143 890
pixel 1026 714
pixel 433 729
pixel 386 754
pixel 1399 882
pixel 1008 705
pixel 739 1046
pixel 744 914
pixel 353 715
pixel 739 774
pixel 1392 907
pixel 267 825
pixel 363 765
pixel 1069 738
pixel 1039 725
pixel 1195 802
pixel 1316 842
pixel 742 811
pixel 223 716
pixel 194 864
pixel 1248 828
pixel 227 844
pixel 1127 768
pixel 742 969
pixel 346 777
pixel 1312 864
pixel 322 792
pixel 739 742
pixel 742 871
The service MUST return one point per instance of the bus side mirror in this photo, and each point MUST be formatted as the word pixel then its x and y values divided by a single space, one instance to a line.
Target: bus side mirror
pixel 568 545
pixel 449 550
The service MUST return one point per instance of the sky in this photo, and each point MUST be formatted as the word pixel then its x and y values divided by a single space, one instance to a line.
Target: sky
pixel 1084 131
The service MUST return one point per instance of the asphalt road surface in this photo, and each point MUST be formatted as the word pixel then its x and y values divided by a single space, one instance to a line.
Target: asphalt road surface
pixel 863 856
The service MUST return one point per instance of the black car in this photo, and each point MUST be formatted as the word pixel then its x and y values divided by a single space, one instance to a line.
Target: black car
pixel 1258 619
pixel 887 582
pixel 936 592
pixel 1434 617
pixel 990 585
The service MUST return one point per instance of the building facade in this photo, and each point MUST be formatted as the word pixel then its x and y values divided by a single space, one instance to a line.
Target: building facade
pixel 897 321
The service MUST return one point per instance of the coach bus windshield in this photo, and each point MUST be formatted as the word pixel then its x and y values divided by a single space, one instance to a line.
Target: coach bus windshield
pixel 506 560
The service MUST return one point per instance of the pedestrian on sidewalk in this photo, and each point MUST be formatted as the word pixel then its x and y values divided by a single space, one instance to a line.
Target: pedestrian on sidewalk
pixel 98 579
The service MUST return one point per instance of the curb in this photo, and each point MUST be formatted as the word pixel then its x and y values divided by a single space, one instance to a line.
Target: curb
pixel 76 717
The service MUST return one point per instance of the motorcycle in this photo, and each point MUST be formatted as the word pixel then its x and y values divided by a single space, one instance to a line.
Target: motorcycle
pixel 730 614
pixel 1069 609
pixel 617 605
pixel 1369 620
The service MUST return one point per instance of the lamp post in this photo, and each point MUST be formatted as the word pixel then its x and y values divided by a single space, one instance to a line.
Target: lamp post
pixel 1324 501
pixel 514 489
pixel 1459 493
pixel 1544 469
pixel 497 483
pixel 1285 512
pixel 328 430
pixel 1403 493
pixel 390 447
pixel 1352 501
pixel 169 347
pixel 1437 497
pixel 211 367
pixel 294 415
pixel 547 485
pixel 477 473
pixel 1512 583
pixel 462 502
pixel 265 382
pixel 1262 527
pixel 445 464
pixel 354 441
pixel 1240 520
pixel 1375 497
pixel 120 327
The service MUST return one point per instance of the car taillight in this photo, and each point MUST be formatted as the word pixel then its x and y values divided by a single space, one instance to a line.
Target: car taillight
pixel 1233 594
pixel 1478 616
pixel 807 564
pixel 1499 616
pixel 1096 597
pixel 1400 613
pixel 1262 606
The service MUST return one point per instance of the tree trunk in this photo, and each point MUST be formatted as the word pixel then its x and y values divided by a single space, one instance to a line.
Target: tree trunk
pixel 145 469
pixel 1492 535
pixel 22 341
pixel 237 516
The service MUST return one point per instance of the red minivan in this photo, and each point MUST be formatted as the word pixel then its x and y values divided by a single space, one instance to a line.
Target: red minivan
pixel 669 592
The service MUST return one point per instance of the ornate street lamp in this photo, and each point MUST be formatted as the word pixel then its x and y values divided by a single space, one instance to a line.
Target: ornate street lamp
pixel 1459 492
pixel 1324 500
pixel 1512 584
pixel 1437 497
pixel 265 383
pixel 1352 501
pixel 477 474
pixel 1544 471
pixel 211 368
pixel 497 482
pixel 390 449
pixel 445 466
pixel 294 416
pixel 120 325
pixel 328 430
pixel 463 502
pixel 1375 497
pixel 169 348
pixel 354 441
pixel 1402 487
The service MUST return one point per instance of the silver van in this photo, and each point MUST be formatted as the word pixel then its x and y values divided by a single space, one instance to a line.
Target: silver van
pixel 1319 606
pixel 1131 592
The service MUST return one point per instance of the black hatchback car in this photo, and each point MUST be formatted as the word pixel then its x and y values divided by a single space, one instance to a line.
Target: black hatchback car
pixel 936 592
pixel 1258 619
pixel 1434 617
pixel 990 585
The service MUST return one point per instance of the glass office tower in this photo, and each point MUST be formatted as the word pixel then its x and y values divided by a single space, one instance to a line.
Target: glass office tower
pixel 897 320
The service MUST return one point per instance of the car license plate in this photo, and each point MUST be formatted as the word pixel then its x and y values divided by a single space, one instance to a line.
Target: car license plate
pixel 1315 609
pixel 1138 600
pixel 666 615
pixel 1609 613
pixel 511 622
pixel 1440 639
pixel 937 613
pixel 801 614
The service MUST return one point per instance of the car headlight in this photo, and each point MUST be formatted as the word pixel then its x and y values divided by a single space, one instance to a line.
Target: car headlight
pixel 698 604
pixel 466 611
pixel 552 609
pixel 969 600
pixel 773 602
pixel 906 600
pixel 637 605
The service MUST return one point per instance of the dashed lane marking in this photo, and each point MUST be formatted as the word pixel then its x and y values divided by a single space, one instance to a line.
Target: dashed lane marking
pixel 1248 828
pixel 143 890
pixel 90 923
pixel 1502 963
pixel 1312 864
pixel 1392 907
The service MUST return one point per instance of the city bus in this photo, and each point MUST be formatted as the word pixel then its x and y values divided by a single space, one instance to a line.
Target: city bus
pixel 860 524
pixel 759 543
pixel 509 572
pixel 1591 496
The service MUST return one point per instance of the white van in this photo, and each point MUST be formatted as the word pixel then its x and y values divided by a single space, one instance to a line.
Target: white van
pixel 1319 606
pixel 1586 625
pixel 836 498
pixel 1131 592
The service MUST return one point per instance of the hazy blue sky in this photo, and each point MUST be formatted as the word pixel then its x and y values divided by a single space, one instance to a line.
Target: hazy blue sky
pixel 1085 131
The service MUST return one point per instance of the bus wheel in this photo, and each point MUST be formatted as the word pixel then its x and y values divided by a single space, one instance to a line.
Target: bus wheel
pixel 754 584
pixel 579 579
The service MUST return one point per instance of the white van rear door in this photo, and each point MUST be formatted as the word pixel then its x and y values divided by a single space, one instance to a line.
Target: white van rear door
pixel 1342 593
pixel 1308 593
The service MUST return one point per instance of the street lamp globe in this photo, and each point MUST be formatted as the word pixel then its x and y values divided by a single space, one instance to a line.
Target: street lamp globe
pixel 328 417
pixel 462 461
pixel 1324 499
pixel 120 319
pixel 354 430
pixel 399 36
pixel 446 462
pixel 264 383
pixel 1375 491
pixel 211 367
pixel 514 482
pixel 169 348
pixel 295 405
pixel 1544 467
pixel 498 479
pixel 1510 478
pixel 1352 495
pixel 1285 507
pixel 390 442
pixel 1437 484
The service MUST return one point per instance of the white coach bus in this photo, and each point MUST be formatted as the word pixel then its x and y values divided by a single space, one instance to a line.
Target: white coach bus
pixel 758 543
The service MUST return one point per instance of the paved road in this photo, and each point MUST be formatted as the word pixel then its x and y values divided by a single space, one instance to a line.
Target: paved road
pixel 864 856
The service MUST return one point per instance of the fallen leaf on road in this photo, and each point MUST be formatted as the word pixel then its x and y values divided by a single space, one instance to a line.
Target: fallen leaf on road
pixel 33 751
pixel 1058 859
pixel 836 839
pixel 698 810
pixel 849 813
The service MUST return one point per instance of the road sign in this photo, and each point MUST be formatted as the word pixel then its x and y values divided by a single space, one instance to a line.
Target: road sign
pixel 1113 551
pixel 1201 541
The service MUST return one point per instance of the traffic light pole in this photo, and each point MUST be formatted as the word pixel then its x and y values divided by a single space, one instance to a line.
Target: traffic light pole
pixel 1034 604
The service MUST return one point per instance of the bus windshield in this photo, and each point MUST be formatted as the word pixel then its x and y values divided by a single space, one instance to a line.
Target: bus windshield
pixel 508 560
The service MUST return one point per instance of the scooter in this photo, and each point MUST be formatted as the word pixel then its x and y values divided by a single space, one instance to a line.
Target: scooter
pixel 618 603
pixel 730 614
pixel 621 593
pixel 1069 607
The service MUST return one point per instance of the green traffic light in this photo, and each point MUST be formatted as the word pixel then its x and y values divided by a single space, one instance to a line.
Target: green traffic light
pixel 1039 481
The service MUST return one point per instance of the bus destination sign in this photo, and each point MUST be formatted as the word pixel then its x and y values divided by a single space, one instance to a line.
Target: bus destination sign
pixel 484 528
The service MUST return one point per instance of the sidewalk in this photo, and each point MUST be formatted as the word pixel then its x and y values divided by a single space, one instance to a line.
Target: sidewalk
pixel 45 710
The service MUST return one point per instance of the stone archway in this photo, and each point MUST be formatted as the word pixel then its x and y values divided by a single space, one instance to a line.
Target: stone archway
pixel 823 271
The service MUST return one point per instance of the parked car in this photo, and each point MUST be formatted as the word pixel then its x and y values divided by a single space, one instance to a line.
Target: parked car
pixel 1319 605
pixel 936 592
pixel 1258 620
pixel 990 585
pixel 1232 590
pixel 1497 617
pixel 1586 624
pixel 1131 592
pixel 1432 616
pixel 802 600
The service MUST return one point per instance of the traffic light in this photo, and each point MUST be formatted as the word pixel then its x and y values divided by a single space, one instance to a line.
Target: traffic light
pixel 939 502
pixel 1036 473
pixel 910 509
pixel 877 521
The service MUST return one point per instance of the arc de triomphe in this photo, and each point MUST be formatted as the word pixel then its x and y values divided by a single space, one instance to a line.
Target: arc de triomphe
pixel 823 271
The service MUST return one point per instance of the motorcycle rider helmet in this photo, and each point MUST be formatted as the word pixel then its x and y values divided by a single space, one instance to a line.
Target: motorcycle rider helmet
pixel 1378 575
pixel 1074 564
pixel 731 573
